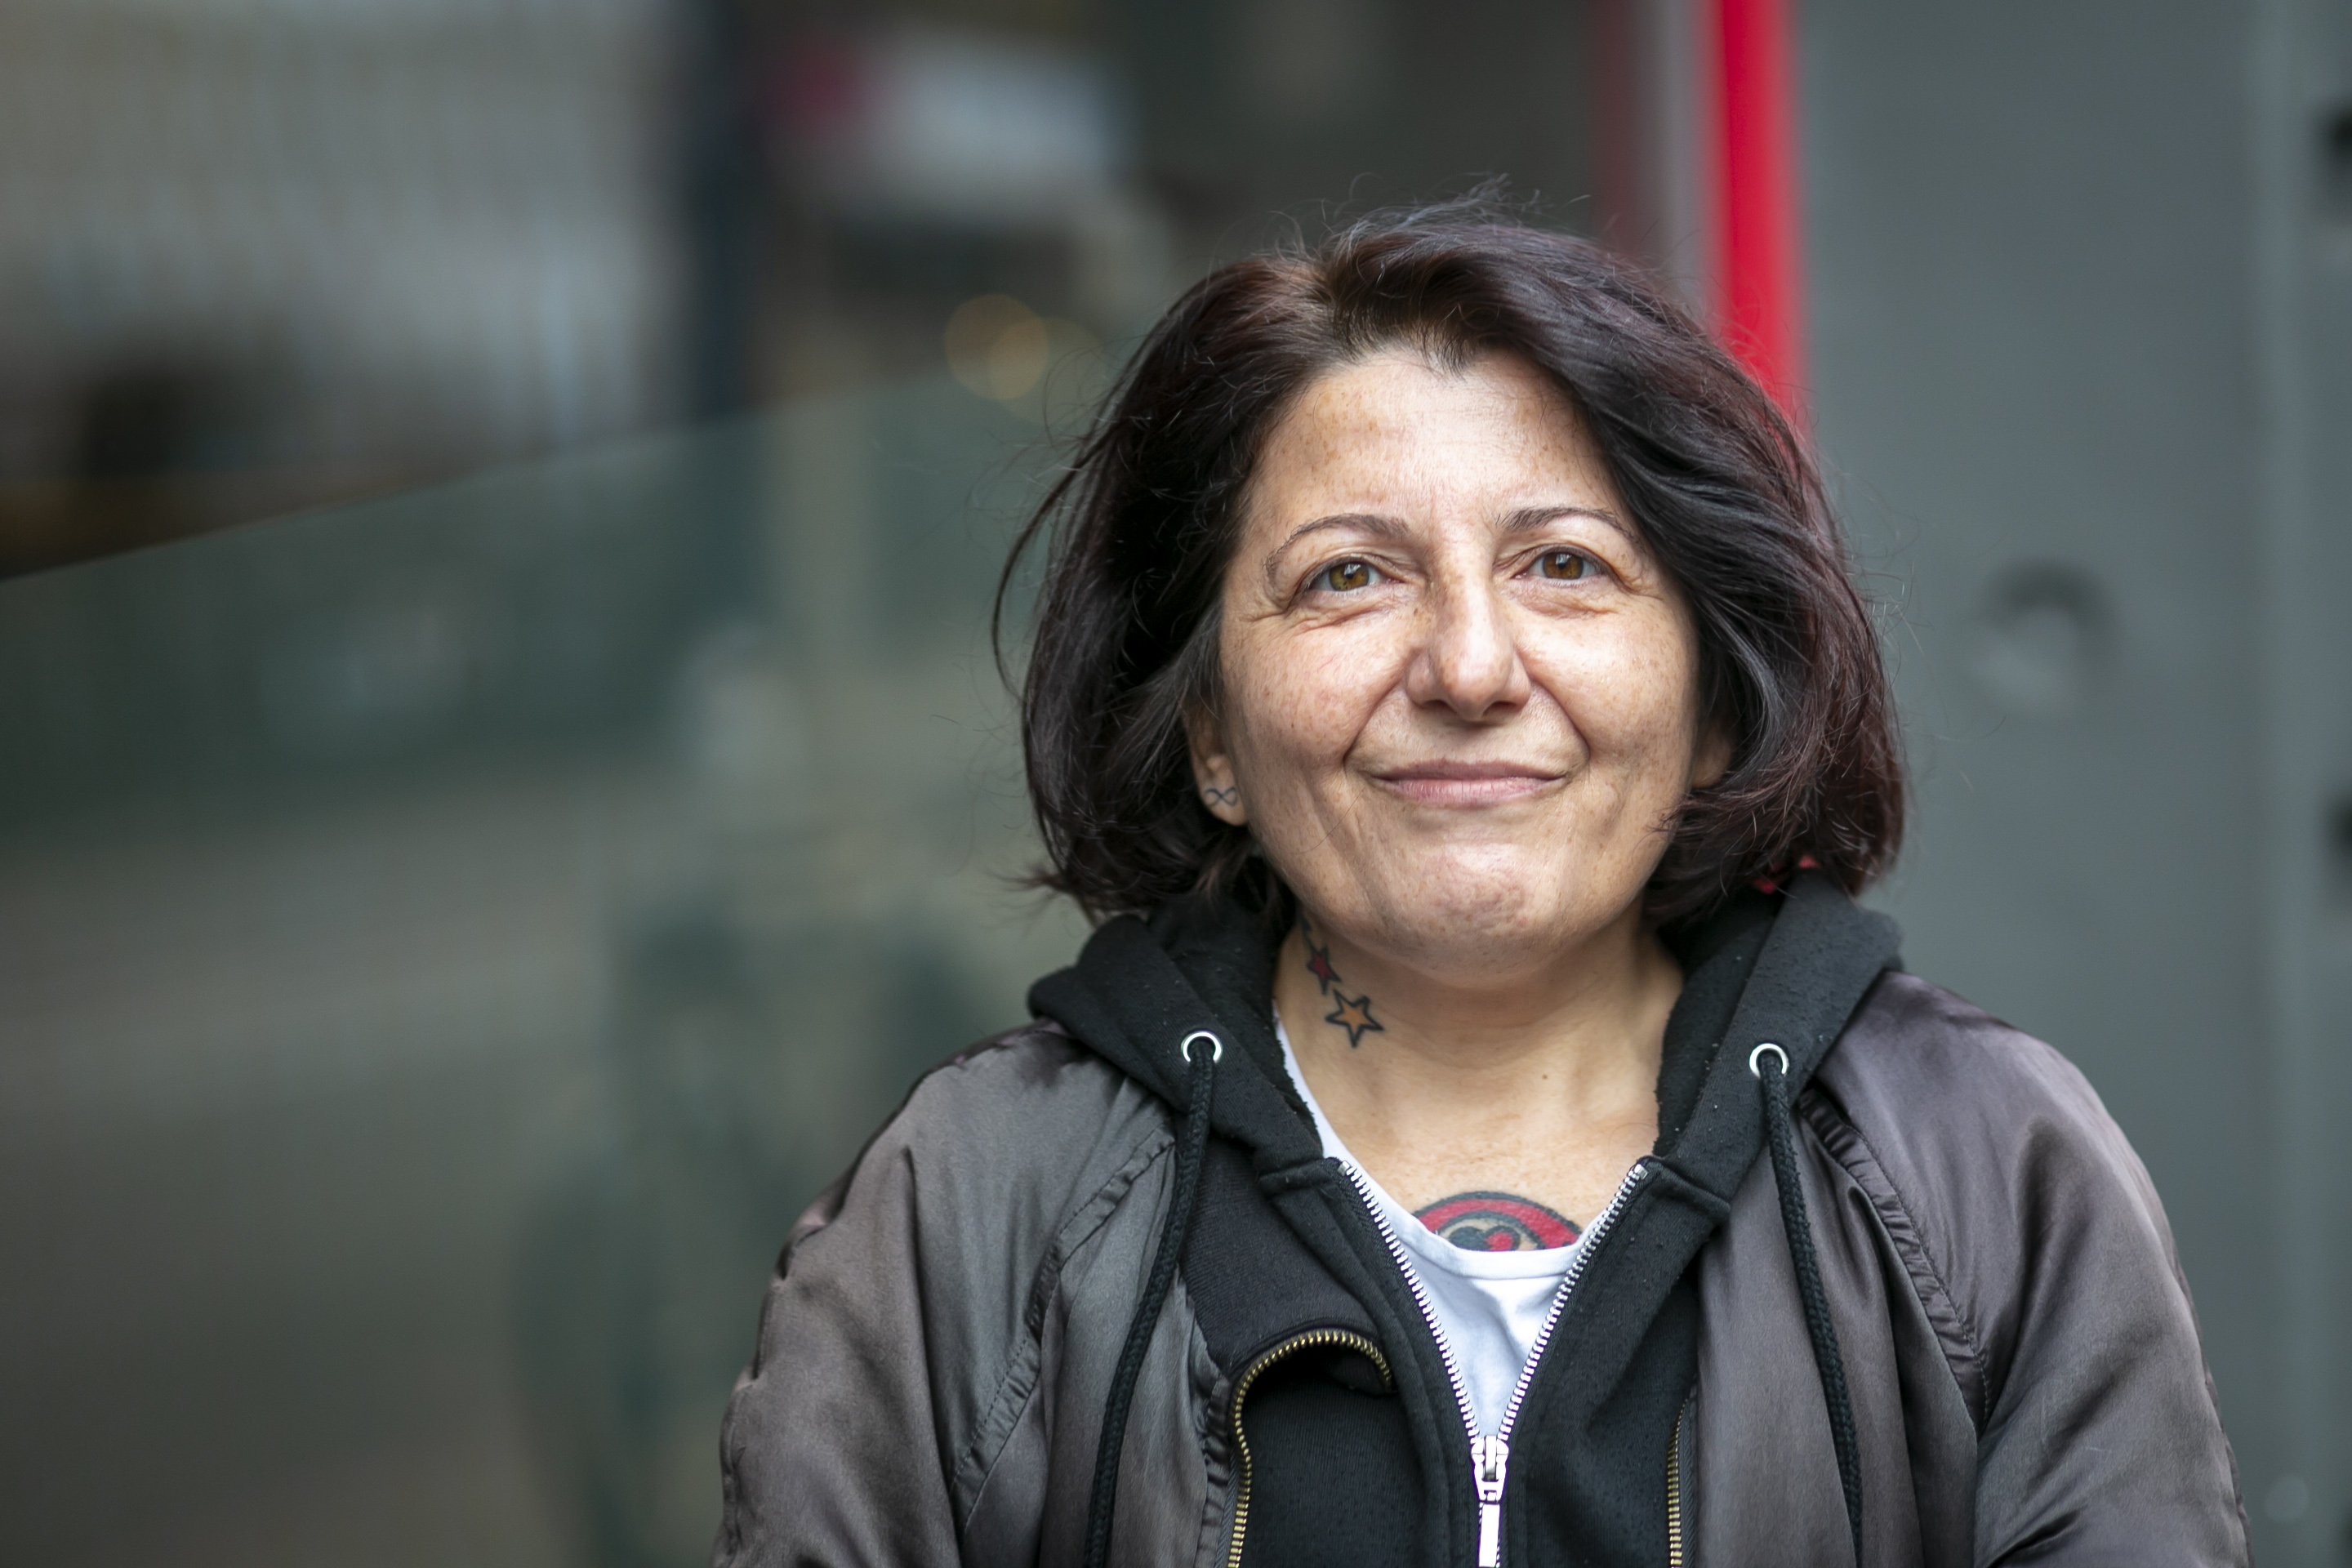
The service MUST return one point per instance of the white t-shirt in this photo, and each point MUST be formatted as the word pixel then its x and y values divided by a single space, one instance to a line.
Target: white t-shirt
pixel 1489 1306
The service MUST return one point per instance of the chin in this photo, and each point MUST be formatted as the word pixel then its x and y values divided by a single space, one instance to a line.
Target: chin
pixel 1496 916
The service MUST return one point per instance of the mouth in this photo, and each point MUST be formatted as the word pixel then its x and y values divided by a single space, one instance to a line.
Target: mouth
pixel 1468 784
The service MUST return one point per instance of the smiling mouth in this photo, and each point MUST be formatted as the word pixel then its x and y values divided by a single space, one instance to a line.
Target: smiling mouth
pixel 1468 784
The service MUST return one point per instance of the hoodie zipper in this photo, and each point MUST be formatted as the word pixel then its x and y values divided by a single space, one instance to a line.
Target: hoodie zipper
pixel 1490 1458
pixel 1674 1490
pixel 1242 1385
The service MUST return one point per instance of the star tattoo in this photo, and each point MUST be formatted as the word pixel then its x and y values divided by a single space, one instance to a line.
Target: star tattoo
pixel 1354 1014
pixel 1318 962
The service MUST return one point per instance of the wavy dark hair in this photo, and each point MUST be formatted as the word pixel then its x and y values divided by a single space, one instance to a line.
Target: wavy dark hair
pixel 1140 527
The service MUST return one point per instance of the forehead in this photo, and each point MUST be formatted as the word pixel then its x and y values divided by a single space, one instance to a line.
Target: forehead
pixel 1400 433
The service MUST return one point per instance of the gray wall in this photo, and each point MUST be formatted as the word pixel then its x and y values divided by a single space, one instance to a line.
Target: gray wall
pixel 2079 318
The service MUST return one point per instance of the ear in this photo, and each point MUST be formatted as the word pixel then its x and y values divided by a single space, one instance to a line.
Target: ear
pixel 1711 759
pixel 1212 768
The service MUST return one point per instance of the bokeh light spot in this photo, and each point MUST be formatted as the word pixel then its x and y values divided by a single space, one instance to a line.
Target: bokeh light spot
pixel 997 346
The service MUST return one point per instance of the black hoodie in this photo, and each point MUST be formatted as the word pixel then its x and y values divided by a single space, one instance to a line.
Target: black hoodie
pixel 1283 1245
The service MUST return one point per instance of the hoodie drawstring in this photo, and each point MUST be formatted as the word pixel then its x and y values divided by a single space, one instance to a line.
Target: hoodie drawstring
pixel 1780 1131
pixel 1191 1145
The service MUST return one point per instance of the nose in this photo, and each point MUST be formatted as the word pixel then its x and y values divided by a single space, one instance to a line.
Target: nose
pixel 1469 655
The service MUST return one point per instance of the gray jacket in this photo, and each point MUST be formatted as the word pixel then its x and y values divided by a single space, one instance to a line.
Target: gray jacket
pixel 2026 1383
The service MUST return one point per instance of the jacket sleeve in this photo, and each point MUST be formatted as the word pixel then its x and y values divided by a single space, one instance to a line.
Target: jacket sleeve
pixel 2073 1338
pixel 914 1329
pixel 2103 1442
pixel 830 1453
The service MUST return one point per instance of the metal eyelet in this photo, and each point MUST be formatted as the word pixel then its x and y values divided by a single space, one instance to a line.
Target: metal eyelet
pixel 1216 1046
pixel 1755 1067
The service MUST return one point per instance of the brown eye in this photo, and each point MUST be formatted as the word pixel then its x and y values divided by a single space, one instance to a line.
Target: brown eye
pixel 1563 565
pixel 1345 575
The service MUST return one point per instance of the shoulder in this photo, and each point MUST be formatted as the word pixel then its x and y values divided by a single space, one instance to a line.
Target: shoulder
pixel 1916 1058
pixel 1034 1071
pixel 1948 1094
pixel 1006 1135
pixel 2018 1192
pixel 1029 1097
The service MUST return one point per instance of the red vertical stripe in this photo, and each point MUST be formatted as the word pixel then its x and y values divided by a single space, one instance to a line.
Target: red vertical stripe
pixel 1759 265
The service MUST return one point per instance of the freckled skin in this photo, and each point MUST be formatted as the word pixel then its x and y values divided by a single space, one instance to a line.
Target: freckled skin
pixel 1460 711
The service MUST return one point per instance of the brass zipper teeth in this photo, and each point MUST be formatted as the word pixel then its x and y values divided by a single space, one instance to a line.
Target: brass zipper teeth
pixel 1674 1491
pixel 1242 1385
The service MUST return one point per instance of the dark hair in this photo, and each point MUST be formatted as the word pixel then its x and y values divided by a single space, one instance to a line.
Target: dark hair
pixel 1141 527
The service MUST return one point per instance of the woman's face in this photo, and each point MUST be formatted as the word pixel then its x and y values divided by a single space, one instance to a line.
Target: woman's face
pixel 1461 699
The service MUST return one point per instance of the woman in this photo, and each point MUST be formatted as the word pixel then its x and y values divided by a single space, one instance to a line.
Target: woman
pixel 1482 1128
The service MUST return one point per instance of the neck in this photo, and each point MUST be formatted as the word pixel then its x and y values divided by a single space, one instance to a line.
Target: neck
pixel 1407 1062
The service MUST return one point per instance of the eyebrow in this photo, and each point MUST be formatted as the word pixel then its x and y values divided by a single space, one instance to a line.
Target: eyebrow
pixel 1528 518
pixel 1371 522
pixel 1524 520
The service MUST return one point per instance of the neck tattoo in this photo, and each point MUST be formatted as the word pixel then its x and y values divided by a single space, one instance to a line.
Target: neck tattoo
pixel 1353 1013
pixel 1474 1221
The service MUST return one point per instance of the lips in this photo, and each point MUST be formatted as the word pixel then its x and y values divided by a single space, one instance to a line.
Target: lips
pixel 1449 784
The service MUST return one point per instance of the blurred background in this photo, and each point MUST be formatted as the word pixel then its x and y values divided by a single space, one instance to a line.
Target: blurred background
pixel 502 782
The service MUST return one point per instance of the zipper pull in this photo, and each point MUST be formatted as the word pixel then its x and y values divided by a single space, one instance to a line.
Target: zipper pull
pixel 1489 1456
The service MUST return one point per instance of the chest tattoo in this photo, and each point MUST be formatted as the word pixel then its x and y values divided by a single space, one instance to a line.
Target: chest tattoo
pixel 1498 1222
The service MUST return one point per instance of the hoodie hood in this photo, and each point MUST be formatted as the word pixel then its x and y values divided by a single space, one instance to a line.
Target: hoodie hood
pixel 1787 967
pixel 1139 989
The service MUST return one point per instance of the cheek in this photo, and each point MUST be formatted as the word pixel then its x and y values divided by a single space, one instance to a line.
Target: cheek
pixel 1633 693
pixel 1293 711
